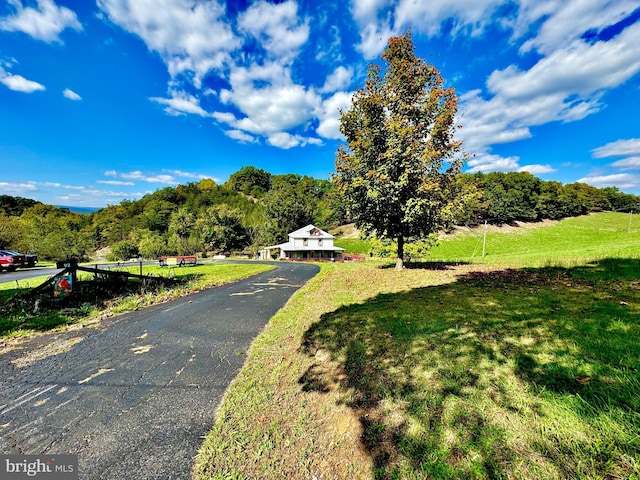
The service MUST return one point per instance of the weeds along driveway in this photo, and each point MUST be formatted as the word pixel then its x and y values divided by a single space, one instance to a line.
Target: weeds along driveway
pixel 134 398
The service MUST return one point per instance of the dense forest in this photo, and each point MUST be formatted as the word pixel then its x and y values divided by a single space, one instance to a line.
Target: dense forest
pixel 255 208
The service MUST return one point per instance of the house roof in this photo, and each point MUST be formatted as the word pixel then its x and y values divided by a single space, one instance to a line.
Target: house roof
pixel 305 232
pixel 289 247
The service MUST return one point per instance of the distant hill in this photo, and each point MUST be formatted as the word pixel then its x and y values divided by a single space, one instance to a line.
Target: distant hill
pixel 15 205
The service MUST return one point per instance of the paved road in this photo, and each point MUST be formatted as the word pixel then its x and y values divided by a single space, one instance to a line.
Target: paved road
pixel 26 273
pixel 135 398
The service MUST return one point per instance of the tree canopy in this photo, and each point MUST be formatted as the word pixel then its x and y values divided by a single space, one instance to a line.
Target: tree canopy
pixel 398 173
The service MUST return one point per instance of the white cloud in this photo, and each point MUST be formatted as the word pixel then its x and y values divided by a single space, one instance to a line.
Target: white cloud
pixel 116 182
pixel 621 180
pixel 181 103
pixel 380 19
pixel 44 22
pixel 270 101
pixel 181 173
pixel 492 163
pixel 18 83
pixel 340 79
pixel 631 163
pixel 285 140
pixel 537 169
pixel 619 148
pixel 9 188
pixel 470 16
pixel 567 85
pixel 138 175
pixel 71 95
pixel 578 68
pixel 276 27
pixel 191 37
pixel 240 136
pixel 565 21
pixel 329 114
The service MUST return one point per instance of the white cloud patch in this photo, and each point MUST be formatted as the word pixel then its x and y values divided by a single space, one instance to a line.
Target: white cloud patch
pixel 624 181
pixel 168 177
pixel 43 22
pixel 285 140
pixel 270 101
pixel 380 19
pixel 566 85
pixel 492 163
pixel 192 37
pixel 537 169
pixel 19 189
pixel 142 177
pixel 564 21
pixel 619 148
pixel 181 103
pixel 196 39
pixel 183 174
pixel 631 163
pixel 329 114
pixel 71 95
pixel 116 182
pixel 240 136
pixel 340 79
pixel 276 26
pixel 18 83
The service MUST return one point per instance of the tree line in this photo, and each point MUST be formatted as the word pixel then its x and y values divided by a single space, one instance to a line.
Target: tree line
pixel 255 208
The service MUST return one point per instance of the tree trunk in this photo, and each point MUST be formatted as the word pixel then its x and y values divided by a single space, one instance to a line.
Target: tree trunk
pixel 400 257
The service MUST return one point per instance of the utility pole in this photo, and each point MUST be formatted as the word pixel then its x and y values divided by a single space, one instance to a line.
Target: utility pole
pixel 630 215
pixel 484 240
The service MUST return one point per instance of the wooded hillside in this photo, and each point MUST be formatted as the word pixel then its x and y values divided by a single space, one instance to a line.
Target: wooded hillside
pixel 255 208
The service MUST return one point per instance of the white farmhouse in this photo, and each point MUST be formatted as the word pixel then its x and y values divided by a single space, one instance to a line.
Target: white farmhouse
pixel 308 243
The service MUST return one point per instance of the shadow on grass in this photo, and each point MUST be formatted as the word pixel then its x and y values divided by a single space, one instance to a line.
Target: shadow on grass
pixel 506 374
pixel 425 265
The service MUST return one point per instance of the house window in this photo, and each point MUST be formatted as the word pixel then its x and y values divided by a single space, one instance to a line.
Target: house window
pixel 319 242
pixel 305 242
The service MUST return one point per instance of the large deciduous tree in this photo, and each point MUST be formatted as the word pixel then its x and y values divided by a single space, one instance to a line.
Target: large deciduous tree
pixel 398 172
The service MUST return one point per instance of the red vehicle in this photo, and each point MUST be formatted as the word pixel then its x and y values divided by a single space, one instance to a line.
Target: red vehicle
pixel 10 260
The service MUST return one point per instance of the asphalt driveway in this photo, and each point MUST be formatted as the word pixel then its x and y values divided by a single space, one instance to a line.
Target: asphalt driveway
pixel 134 398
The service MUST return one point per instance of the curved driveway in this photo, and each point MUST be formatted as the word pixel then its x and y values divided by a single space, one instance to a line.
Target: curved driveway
pixel 134 398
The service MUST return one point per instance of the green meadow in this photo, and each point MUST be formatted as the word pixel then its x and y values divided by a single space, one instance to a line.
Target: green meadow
pixel 568 242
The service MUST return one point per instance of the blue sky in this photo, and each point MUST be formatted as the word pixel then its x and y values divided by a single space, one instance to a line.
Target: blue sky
pixel 102 100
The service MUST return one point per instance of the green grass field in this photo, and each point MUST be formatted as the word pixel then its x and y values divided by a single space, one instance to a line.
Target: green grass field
pixel 571 241
pixel 449 371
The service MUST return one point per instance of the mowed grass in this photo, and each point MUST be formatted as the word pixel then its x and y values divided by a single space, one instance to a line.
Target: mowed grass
pixel 353 245
pixel 23 320
pixel 568 242
pixel 445 371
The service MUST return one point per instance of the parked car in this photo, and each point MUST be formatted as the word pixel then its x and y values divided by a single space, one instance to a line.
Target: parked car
pixel 10 260
pixel 30 260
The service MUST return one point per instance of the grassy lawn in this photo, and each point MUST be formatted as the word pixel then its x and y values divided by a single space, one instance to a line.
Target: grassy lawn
pixel 23 321
pixel 353 245
pixel 572 241
pixel 447 371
